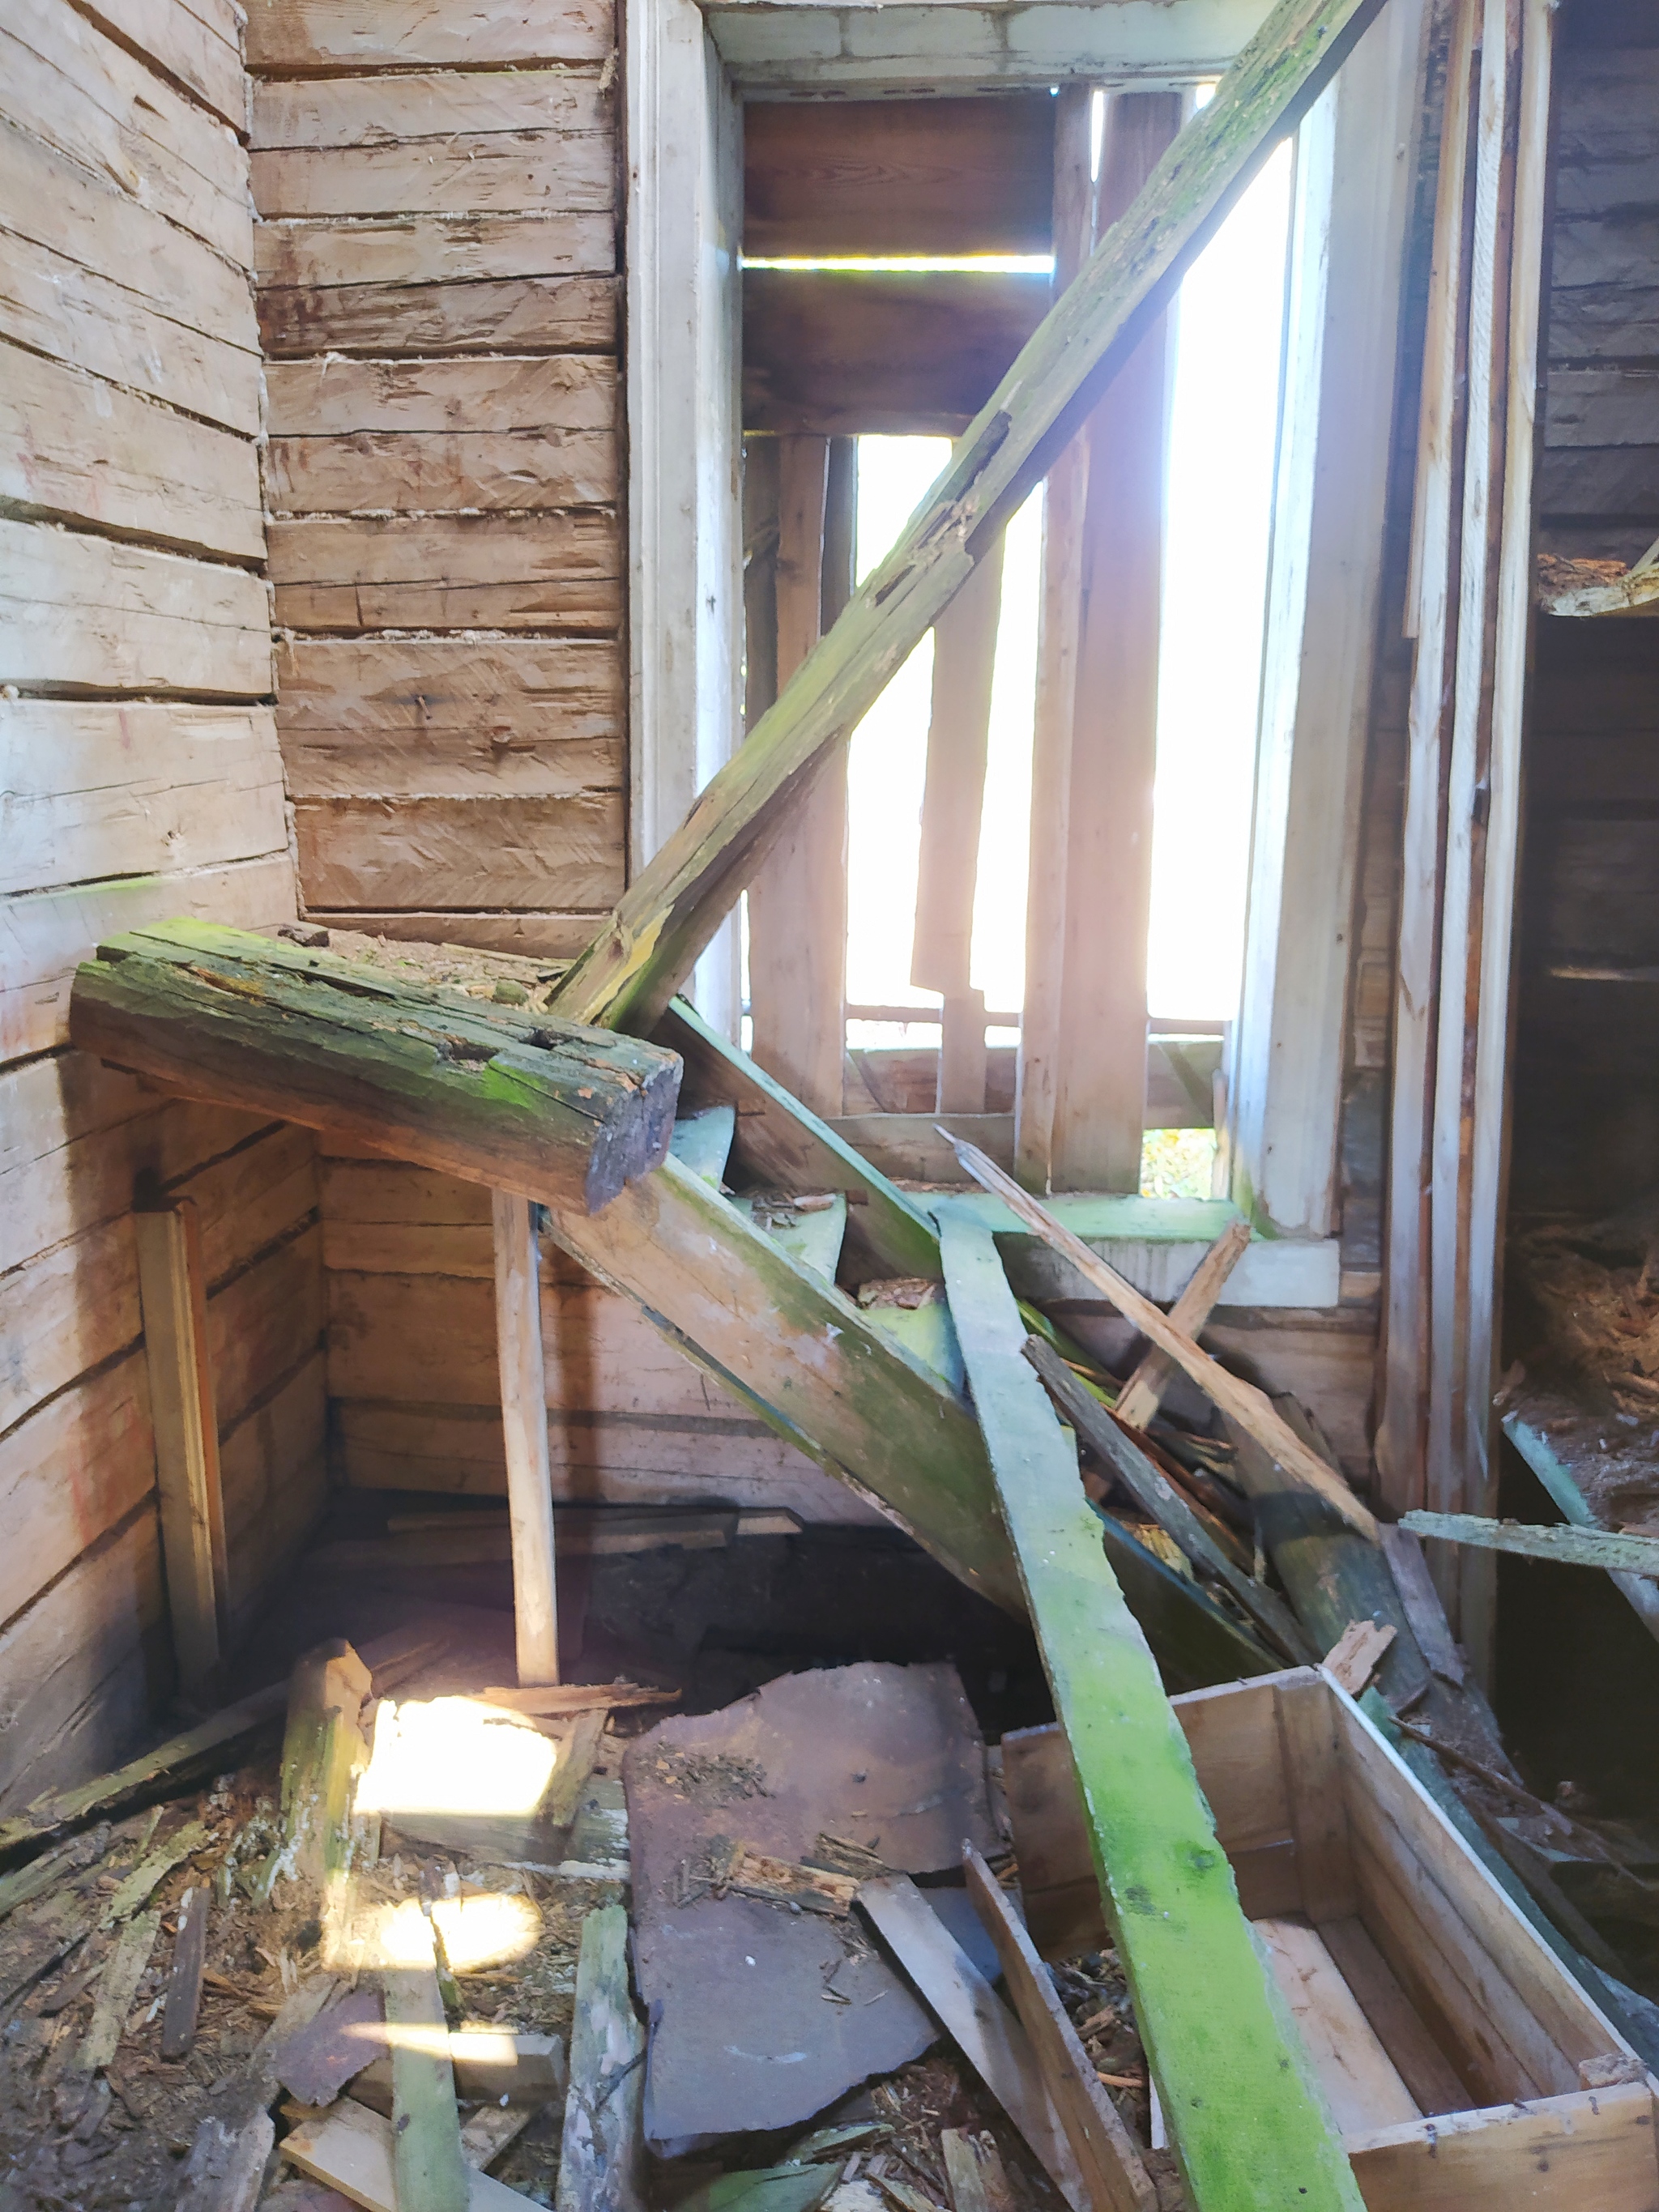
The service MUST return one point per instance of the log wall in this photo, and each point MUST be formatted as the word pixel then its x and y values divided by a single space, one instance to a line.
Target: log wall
pixel 139 767
pixel 436 250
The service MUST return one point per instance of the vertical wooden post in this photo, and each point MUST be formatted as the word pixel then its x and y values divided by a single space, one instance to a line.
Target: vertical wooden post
pixel 953 800
pixel 797 898
pixel 524 1419
pixel 172 1292
pixel 1081 1119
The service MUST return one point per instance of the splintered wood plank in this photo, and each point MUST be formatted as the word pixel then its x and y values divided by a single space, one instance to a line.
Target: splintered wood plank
pixel 325 35
pixel 1359 2079
pixel 1244 2114
pixel 90 612
pixel 79 450
pixel 524 1417
pixel 988 2035
pixel 603 2151
pixel 1106 2153
pixel 806 1358
pixel 544 571
pixel 173 1286
pixel 497 1097
pixel 898 176
pixel 680 897
pixel 184 1977
pixel 1143 1393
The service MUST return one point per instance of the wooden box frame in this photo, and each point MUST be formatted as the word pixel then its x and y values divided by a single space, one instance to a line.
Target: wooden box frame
pixel 1459 2059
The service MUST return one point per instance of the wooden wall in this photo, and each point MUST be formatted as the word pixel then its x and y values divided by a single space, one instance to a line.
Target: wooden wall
pixel 1586 1119
pixel 437 193
pixel 140 777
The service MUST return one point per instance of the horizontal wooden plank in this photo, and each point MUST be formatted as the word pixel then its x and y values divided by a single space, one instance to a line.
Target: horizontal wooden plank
pixel 74 314
pixel 200 45
pixel 547 572
pixel 461 852
pixel 1604 322
pixel 519 314
pixel 466 768
pixel 1599 250
pixel 424 472
pixel 838 353
pixel 1595 894
pixel 45 936
pixel 69 1473
pixel 610 1459
pixel 1594 2148
pixel 433 249
pixel 78 449
pixel 372 690
pixel 425 107
pixel 865 48
pixel 73 1307
pixel 252 1198
pixel 1602 406
pixel 264 1323
pixel 95 790
pixel 55 203
pixel 1597 480
pixel 555 937
pixel 306 35
pixel 273 1471
pixel 90 614
pixel 340 398
pixel 91 99
pixel 84 1670
pixel 899 176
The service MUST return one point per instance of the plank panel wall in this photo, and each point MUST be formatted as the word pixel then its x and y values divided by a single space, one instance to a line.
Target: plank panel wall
pixel 436 255
pixel 141 778
pixel 1586 1125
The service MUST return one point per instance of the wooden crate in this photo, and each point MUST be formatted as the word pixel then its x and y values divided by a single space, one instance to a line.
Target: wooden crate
pixel 1463 2064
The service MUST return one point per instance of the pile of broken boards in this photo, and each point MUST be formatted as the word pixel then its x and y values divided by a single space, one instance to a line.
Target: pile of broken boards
pixel 392 1969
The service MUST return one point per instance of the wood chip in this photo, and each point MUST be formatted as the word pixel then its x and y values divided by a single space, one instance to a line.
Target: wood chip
pixel 1357 1653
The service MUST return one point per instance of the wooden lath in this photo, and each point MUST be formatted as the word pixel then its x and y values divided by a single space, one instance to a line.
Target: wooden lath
pixel 677 900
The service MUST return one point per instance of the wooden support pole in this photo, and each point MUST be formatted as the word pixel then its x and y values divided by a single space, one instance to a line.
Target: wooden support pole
pixel 798 899
pixel 508 1097
pixel 952 804
pixel 1100 841
pixel 673 907
pixel 1246 2118
pixel 524 1418
pixel 172 1293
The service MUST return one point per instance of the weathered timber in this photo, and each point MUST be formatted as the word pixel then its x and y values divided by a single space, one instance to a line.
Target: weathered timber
pixel 1528 1438
pixel 530 1104
pixel 350 2149
pixel 1249 1408
pixel 1567 1546
pixel 117 1988
pixel 1105 2151
pixel 427 2163
pixel 1143 1393
pixel 523 1421
pixel 781 1146
pixel 1159 1498
pixel 322 1749
pixel 1237 2090
pixel 818 1369
pixel 603 2154
pixel 679 900
pixel 974 2169
pixel 184 1978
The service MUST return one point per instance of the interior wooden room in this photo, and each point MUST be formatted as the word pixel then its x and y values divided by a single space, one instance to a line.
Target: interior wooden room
pixel 827 1199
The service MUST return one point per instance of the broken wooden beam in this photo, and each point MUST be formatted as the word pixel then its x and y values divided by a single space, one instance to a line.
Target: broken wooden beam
pixel 677 900
pixel 1248 1407
pixel 1566 1547
pixel 1143 1393
pixel 1247 2120
pixel 184 1977
pixel 602 2157
pixel 1156 1495
pixel 324 1750
pixel 518 1100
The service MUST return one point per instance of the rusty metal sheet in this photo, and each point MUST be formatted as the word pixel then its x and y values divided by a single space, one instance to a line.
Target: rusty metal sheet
pixel 761 2015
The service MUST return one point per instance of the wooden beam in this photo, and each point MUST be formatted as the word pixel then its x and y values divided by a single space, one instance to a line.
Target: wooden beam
pixel 1436 527
pixel 1157 1496
pixel 516 1100
pixel 173 1293
pixel 427 2167
pixel 952 804
pixel 1143 1393
pixel 1237 2090
pixel 1100 1051
pixel 1105 2151
pixel 524 1418
pixel 797 900
pixel 677 900
pixel 601 2166
pixel 1247 1406
pixel 1566 1547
